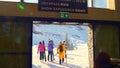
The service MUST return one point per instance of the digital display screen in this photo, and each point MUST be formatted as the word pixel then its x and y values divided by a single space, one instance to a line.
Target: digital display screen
pixel 75 38
pixel 73 6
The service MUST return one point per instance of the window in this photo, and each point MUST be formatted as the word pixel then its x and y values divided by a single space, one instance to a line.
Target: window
pixel 100 3
pixel 89 3
pixel 111 4
pixel 36 1
pixel 30 1
pixel 11 0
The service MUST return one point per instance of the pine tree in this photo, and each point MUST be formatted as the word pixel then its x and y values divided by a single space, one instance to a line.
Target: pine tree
pixel 68 43
pixel 66 40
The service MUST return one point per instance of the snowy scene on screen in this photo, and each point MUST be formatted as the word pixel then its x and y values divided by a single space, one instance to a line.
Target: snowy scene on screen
pixel 59 46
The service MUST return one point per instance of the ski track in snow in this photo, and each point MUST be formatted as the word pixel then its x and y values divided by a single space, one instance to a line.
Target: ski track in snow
pixel 75 59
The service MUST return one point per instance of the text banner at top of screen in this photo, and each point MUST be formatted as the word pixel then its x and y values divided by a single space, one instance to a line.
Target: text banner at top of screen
pixel 72 6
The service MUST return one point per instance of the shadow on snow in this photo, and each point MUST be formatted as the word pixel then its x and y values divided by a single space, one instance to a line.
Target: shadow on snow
pixel 64 65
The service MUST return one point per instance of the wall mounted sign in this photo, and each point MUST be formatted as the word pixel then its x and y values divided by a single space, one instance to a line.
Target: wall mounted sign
pixel 72 6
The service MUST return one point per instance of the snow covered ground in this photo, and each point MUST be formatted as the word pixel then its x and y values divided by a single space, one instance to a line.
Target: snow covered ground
pixel 77 58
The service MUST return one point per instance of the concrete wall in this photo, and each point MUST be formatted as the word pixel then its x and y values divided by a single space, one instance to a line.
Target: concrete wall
pixel 90 46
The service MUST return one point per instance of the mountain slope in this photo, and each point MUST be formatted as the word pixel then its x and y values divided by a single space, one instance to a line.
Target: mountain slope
pixel 76 34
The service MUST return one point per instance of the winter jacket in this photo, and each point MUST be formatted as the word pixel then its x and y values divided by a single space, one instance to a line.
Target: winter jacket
pixel 41 48
pixel 50 47
pixel 61 54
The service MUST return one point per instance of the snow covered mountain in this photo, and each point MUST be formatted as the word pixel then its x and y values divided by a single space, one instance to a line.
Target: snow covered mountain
pixel 76 34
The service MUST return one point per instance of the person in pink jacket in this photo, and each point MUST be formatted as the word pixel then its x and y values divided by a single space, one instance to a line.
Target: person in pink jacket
pixel 41 50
